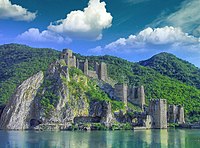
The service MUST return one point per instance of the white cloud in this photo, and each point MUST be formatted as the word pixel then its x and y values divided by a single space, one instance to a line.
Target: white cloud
pixel 166 36
pixel 87 24
pixel 187 17
pixel 16 12
pixel 34 35
pixel 158 39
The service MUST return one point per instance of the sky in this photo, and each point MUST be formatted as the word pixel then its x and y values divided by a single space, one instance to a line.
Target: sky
pixel 131 29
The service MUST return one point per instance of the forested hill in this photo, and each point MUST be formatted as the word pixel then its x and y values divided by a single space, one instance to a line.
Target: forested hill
pixel 156 84
pixel 18 62
pixel 169 65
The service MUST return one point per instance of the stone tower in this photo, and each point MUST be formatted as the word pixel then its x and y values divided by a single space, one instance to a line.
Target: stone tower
pixel 120 92
pixel 171 113
pixel 67 55
pixel 181 117
pixel 102 71
pixel 85 68
pixel 136 95
pixel 175 114
pixel 141 96
pixel 97 67
pixel 83 65
pixel 158 111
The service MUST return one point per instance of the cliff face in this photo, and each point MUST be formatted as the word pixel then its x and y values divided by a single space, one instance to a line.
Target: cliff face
pixel 60 100
pixel 54 98
pixel 21 107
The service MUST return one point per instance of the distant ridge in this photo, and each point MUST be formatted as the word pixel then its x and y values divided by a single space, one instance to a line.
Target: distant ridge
pixel 169 65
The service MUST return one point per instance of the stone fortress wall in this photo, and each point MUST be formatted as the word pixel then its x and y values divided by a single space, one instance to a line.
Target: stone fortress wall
pixel 100 71
pixel 158 114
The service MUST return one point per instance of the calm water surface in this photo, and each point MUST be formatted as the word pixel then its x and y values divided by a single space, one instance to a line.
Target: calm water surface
pixel 100 139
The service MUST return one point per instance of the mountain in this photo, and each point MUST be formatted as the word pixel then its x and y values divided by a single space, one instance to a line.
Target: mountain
pixel 55 98
pixel 169 65
pixel 19 62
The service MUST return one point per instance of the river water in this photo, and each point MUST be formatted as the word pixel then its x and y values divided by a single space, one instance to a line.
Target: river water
pixel 171 138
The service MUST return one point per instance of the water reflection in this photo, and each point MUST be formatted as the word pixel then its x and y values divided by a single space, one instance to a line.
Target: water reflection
pixel 100 139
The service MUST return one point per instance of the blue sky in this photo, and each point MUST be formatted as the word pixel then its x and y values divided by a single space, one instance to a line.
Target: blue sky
pixel 131 29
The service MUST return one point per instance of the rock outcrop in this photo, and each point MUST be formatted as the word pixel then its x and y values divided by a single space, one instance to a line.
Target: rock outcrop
pixel 21 107
pixel 67 103
pixel 103 110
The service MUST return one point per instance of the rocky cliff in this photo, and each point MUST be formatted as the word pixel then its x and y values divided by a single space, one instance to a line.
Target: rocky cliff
pixel 54 99
pixel 60 100
pixel 21 107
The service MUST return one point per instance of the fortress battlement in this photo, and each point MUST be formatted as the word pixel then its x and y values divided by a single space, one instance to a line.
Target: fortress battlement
pixel 100 71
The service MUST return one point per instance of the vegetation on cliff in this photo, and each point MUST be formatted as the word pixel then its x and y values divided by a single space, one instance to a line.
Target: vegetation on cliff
pixel 19 62
pixel 90 88
pixel 79 90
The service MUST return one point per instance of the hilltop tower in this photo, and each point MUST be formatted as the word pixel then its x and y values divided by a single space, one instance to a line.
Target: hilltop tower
pixel 158 111
pixel 67 55
pixel 102 71
pixel 83 65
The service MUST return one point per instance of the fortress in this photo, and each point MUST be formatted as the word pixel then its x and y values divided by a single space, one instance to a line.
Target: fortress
pixel 157 114
pixel 100 70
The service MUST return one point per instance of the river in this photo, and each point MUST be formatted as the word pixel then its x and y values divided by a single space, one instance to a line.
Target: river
pixel 171 138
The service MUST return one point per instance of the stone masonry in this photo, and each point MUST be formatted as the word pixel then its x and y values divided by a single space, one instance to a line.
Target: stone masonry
pixel 176 114
pixel 158 111
pixel 67 55
pixel 121 92
pixel 102 71
pixel 135 95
